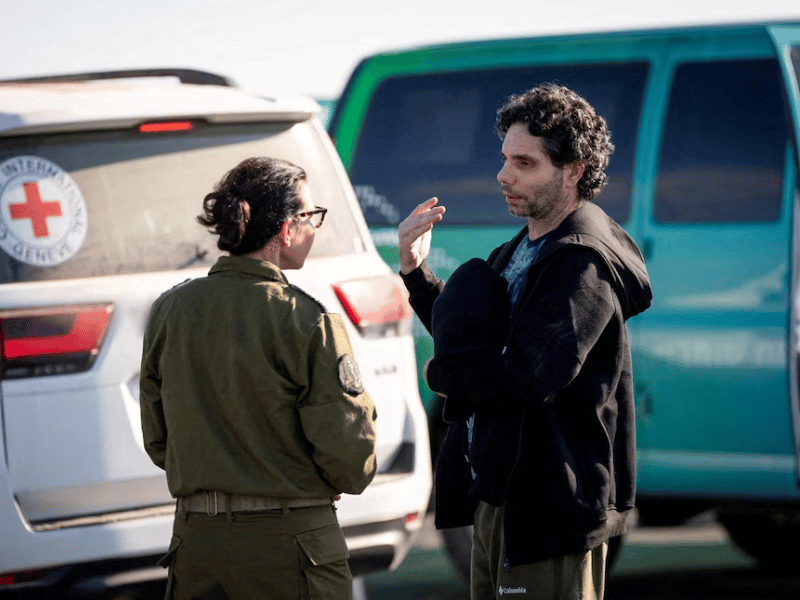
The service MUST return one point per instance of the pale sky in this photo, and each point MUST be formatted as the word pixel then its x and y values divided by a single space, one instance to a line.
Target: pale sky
pixel 307 47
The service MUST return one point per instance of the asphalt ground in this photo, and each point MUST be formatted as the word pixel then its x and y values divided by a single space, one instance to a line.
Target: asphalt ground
pixel 693 562
pixel 696 561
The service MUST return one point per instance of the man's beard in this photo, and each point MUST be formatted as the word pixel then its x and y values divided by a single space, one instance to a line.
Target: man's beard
pixel 543 203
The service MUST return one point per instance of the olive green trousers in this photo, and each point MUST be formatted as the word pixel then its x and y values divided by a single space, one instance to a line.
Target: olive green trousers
pixel 575 577
pixel 289 554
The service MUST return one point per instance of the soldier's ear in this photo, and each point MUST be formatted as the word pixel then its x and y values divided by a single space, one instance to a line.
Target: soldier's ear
pixel 286 233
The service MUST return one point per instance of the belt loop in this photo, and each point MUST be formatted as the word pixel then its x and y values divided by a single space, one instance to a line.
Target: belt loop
pixel 180 510
pixel 284 508
pixel 209 504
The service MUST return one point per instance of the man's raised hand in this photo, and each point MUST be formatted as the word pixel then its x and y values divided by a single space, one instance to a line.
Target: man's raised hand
pixel 415 234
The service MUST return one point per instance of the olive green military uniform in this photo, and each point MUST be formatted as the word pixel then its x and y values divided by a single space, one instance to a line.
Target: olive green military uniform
pixel 252 403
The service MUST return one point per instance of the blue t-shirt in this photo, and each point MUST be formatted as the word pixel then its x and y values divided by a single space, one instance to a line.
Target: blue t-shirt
pixel 516 271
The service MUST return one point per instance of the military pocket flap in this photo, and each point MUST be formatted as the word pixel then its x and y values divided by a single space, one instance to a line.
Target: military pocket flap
pixel 167 559
pixel 324 546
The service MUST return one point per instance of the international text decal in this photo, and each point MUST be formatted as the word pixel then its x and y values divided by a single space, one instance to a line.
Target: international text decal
pixel 43 218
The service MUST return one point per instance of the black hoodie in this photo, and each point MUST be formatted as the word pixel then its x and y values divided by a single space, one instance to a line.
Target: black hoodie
pixel 554 411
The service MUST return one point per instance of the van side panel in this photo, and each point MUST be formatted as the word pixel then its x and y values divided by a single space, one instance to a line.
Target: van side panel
pixel 711 353
pixel 787 42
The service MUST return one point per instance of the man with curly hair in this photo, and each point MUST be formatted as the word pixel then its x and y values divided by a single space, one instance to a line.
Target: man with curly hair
pixel 540 449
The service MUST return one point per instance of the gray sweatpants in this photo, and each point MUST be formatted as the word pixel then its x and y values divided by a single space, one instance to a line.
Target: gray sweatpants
pixel 575 577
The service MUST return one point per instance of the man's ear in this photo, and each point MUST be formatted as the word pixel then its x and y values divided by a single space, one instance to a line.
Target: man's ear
pixel 573 173
pixel 285 233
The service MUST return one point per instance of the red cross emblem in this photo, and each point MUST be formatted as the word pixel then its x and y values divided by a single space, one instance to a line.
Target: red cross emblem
pixel 36 210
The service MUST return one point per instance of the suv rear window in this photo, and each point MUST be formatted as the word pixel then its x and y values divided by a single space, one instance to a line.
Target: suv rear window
pixel 141 193
pixel 433 135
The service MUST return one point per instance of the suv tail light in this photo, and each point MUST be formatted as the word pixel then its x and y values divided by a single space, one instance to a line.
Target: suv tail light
pixel 377 306
pixel 53 340
pixel 29 579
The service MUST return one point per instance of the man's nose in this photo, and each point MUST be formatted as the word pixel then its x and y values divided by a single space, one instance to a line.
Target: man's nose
pixel 503 176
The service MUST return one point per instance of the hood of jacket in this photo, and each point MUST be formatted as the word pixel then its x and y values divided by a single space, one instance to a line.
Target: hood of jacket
pixel 591 227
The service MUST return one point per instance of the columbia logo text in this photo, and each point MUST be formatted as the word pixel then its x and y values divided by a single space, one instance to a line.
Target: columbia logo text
pixel 509 590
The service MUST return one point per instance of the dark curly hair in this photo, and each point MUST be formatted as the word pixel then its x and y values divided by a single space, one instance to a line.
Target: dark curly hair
pixel 570 128
pixel 248 206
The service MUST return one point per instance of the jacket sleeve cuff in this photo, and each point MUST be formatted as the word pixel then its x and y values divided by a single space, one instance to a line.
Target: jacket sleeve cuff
pixel 423 288
pixel 421 278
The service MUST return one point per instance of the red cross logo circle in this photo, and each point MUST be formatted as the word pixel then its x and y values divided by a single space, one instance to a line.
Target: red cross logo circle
pixel 43 216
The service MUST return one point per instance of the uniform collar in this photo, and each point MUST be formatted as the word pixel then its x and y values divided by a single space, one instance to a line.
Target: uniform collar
pixel 250 266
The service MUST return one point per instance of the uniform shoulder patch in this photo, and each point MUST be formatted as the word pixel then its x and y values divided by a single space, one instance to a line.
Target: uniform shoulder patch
pixel 349 375
pixel 309 296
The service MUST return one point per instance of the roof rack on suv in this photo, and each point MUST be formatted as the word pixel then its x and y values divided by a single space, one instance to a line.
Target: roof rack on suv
pixel 184 75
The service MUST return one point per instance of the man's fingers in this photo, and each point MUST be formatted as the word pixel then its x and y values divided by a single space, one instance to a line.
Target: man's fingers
pixel 416 229
pixel 424 206
pixel 414 234
pixel 423 221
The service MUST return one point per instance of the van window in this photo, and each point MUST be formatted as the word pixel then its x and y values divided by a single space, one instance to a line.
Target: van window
pixel 143 192
pixel 433 135
pixel 724 144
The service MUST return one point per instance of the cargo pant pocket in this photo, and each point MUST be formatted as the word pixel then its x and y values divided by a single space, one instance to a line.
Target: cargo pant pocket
pixel 168 562
pixel 324 564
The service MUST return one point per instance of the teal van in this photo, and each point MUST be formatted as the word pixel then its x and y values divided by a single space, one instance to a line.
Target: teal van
pixel 706 123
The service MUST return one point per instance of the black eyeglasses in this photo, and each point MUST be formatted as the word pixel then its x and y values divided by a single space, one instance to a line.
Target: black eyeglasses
pixel 317 216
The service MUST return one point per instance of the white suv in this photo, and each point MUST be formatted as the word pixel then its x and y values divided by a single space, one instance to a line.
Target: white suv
pixel 100 182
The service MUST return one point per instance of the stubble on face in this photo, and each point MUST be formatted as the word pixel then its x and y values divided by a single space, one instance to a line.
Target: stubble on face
pixel 537 204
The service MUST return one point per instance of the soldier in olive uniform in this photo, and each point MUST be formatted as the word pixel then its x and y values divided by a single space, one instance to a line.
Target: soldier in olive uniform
pixel 252 403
